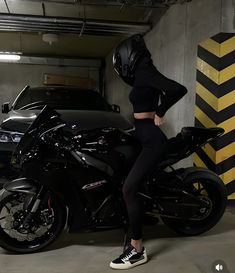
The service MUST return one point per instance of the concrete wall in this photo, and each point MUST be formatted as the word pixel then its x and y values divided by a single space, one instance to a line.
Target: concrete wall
pixel 228 16
pixel 173 43
pixel 14 77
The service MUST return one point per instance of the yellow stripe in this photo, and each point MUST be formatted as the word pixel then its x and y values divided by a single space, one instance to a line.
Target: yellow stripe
pixel 208 70
pixel 228 176
pixel 227 74
pixel 216 76
pixel 198 162
pixel 225 153
pixel 226 100
pixel 227 46
pixel 228 124
pixel 220 50
pixel 217 104
pixel 231 196
pixel 220 155
pixel 203 118
pixel 210 152
pixel 207 96
pixel 211 46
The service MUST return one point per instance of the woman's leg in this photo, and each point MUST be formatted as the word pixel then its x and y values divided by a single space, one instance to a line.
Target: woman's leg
pixel 137 244
pixel 153 142
pixel 141 168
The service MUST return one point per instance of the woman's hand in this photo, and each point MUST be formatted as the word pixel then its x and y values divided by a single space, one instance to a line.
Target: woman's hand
pixel 158 120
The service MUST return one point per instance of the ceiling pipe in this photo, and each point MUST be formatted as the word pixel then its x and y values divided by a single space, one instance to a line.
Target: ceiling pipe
pixel 44 24
pixel 120 3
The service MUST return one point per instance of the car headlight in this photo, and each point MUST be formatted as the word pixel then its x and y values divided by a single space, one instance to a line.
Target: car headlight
pixel 6 136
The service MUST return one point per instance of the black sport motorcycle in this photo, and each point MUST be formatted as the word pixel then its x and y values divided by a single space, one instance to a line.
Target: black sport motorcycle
pixel 74 181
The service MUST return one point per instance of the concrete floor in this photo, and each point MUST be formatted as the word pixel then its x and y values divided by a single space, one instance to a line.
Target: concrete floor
pixel 167 252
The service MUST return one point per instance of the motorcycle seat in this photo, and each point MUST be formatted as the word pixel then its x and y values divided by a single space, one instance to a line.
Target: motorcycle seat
pixel 201 132
pixel 183 144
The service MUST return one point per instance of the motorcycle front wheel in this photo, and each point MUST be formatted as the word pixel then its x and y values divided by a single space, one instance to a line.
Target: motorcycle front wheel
pixel 42 230
pixel 205 185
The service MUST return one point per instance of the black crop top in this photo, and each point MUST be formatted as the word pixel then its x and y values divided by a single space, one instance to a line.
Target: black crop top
pixel 151 87
pixel 144 99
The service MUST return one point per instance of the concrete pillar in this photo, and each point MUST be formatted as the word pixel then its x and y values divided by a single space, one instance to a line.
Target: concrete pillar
pixel 227 15
pixel 215 105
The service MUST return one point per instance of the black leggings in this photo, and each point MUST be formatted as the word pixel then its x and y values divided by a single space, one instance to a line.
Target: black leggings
pixel 153 141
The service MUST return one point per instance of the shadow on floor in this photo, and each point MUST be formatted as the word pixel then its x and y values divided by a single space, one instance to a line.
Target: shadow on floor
pixel 109 237
pixel 157 231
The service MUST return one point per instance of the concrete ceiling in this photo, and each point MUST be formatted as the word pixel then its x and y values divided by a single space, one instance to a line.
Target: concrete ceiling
pixel 71 45
pixel 68 45
pixel 113 13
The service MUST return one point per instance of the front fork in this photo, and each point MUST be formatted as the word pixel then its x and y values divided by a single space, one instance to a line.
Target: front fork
pixel 32 206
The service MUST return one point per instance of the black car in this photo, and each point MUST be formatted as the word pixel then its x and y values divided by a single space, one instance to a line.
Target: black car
pixel 81 109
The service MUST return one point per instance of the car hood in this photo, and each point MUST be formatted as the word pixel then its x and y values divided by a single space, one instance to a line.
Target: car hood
pixel 20 120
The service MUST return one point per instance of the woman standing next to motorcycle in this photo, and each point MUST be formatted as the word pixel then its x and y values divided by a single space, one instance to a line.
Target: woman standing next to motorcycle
pixel 132 61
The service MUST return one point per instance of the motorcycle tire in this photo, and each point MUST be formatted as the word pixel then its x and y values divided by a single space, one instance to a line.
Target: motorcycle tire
pixel 214 191
pixel 17 239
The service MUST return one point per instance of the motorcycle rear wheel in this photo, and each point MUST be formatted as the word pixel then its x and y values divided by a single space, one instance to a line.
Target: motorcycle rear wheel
pixel 213 190
pixel 47 224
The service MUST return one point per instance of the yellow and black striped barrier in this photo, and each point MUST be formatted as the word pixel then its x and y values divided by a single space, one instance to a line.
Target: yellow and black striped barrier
pixel 215 105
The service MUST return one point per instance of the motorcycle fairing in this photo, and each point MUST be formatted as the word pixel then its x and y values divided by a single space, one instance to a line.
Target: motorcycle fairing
pixel 23 185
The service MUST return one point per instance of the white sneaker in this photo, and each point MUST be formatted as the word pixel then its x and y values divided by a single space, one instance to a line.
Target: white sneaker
pixel 129 258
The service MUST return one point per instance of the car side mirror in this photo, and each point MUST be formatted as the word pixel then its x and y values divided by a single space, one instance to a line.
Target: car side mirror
pixel 5 108
pixel 115 108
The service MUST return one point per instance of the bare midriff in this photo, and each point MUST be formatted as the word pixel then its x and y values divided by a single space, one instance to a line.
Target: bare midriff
pixel 144 115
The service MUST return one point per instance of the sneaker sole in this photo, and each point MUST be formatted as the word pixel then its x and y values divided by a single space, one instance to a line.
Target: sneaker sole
pixel 125 266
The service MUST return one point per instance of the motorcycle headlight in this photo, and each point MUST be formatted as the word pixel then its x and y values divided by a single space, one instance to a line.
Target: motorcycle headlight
pixel 6 136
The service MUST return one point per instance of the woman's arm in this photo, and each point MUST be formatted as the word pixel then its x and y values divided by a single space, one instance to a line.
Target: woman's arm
pixel 157 120
pixel 171 91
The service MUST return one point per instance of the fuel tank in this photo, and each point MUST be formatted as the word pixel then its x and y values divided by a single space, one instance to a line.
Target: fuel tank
pixel 109 154
pixel 113 146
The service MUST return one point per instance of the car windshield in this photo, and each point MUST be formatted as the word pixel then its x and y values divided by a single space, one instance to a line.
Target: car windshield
pixel 62 98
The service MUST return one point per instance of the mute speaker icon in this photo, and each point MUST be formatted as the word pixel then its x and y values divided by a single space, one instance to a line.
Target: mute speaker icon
pixel 219 267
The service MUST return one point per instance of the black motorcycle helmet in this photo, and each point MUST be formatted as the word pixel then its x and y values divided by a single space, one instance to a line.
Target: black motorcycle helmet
pixel 126 56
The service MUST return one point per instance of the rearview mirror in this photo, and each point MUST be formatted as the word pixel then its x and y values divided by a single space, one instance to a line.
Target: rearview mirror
pixel 5 108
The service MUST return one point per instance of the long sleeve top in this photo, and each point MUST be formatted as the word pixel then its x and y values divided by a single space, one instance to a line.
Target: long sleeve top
pixel 152 91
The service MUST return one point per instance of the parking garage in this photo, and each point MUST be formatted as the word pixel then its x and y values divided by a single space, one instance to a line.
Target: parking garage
pixel 51 48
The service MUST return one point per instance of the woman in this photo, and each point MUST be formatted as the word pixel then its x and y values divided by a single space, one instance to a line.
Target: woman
pixel 132 61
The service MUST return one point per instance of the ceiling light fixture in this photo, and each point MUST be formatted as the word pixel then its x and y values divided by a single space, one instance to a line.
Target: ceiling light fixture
pixel 7 56
pixel 50 38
